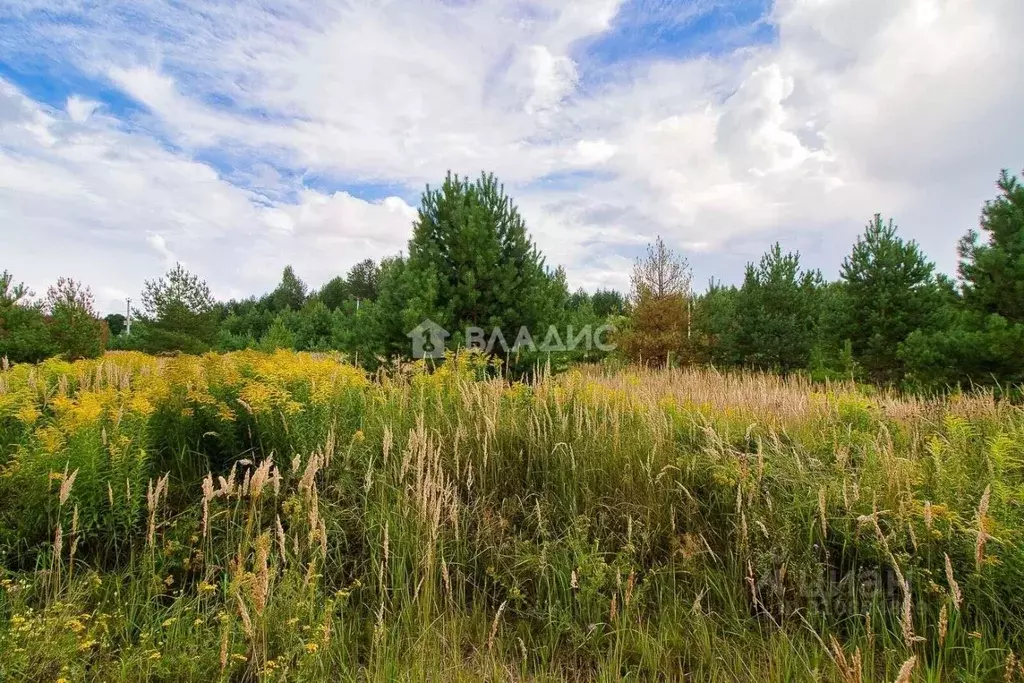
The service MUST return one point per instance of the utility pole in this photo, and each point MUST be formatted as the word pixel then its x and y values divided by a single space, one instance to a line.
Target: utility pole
pixel 128 319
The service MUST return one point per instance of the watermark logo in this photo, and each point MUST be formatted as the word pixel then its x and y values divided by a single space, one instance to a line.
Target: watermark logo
pixel 428 339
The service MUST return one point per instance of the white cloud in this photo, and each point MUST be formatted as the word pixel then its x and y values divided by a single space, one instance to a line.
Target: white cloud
pixel 80 109
pixel 159 244
pixel 105 206
pixel 908 108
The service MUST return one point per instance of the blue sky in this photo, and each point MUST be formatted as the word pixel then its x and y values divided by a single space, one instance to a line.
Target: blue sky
pixel 240 137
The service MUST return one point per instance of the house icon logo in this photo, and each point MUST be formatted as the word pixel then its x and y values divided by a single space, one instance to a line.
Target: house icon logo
pixel 428 340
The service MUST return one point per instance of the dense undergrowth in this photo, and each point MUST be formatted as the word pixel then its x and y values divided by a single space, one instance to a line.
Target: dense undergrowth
pixel 286 517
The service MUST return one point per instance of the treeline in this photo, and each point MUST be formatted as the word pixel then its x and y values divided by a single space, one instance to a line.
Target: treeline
pixel 890 318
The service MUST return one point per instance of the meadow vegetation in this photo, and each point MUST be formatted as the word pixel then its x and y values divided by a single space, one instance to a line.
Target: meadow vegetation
pixel 287 516
pixel 890 319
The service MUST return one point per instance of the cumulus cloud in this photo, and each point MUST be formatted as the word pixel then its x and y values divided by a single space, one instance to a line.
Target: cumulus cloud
pixel 105 206
pixel 848 108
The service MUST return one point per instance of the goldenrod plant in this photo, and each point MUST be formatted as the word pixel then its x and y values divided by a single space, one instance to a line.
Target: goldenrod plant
pixel 285 516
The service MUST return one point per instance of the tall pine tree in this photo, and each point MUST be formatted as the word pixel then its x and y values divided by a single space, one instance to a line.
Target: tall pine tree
pixel 984 340
pixel 776 312
pixel 993 270
pixel 890 291
pixel 478 266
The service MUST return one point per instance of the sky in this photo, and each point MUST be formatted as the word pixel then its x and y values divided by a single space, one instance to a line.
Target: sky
pixel 237 137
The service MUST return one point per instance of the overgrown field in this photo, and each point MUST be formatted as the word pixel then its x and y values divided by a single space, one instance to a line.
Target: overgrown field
pixel 286 517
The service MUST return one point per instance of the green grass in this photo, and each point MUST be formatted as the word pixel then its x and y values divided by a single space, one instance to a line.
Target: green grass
pixel 636 525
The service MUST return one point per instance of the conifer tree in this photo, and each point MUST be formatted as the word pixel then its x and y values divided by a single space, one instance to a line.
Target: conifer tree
pixel 993 271
pixel 659 322
pixel 474 263
pixel 290 292
pixel 890 291
pixel 776 312
pixel 75 331
pixel 24 334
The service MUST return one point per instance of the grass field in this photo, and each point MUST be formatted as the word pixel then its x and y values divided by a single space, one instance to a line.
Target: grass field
pixel 286 517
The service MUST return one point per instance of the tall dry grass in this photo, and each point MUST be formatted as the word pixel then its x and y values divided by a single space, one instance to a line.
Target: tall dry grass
pixel 265 517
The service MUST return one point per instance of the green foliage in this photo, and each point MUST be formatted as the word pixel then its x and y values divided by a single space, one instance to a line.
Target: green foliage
pixel 890 292
pixel 406 298
pixel 993 270
pixel 889 319
pixel 981 338
pixel 714 325
pixel 290 293
pixel 608 302
pixel 180 313
pixel 362 280
pixel 277 337
pixel 334 293
pixel 474 263
pixel 74 329
pixel 638 525
pixel 24 334
pixel 115 323
pixel 776 313
pixel 659 323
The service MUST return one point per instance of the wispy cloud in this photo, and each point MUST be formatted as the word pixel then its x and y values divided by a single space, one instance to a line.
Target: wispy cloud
pixel 721 124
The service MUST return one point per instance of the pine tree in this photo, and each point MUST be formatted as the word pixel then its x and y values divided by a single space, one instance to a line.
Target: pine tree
pixel 776 312
pixel 983 341
pixel 361 280
pixel 659 322
pixel 75 331
pixel 474 263
pixel 890 292
pixel 714 325
pixel 178 313
pixel 24 334
pixel 290 293
pixel 993 271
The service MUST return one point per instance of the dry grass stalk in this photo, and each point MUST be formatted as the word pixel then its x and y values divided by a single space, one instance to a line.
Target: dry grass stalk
pixel 281 546
pixel 227 486
pixel 907 619
pixel 307 481
pixel 225 632
pixel 260 477
pixel 74 537
pixel 494 626
pixel 153 496
pixel 954 587
pixel 261 584
pixel 851 668
pixel 243 612
pixel 66 486
pixel 378 627
pixel 446 578
pixel 906 670
pixel 323 539
pixel 822 511
pixel 208 494
pixel 943 624
pixel 979 548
